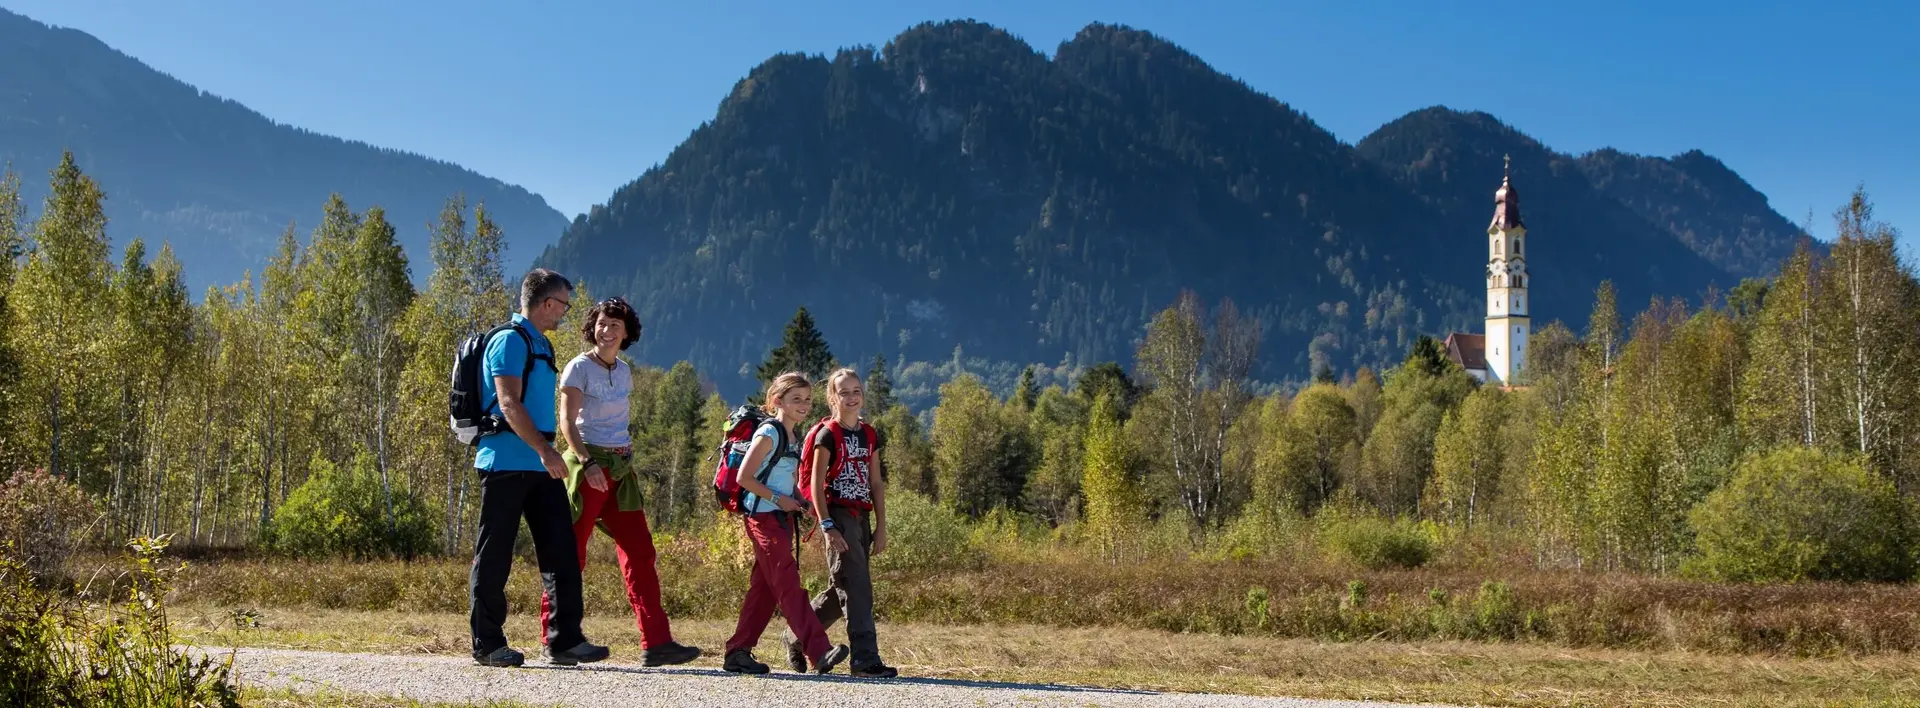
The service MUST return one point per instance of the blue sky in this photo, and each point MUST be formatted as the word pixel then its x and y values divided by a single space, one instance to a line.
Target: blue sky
pixel 572 99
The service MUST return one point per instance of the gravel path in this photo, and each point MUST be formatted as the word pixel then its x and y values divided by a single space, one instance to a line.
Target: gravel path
pixel 458 680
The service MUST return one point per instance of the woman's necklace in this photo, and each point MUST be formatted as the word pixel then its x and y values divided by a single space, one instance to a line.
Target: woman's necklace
pixel 610 367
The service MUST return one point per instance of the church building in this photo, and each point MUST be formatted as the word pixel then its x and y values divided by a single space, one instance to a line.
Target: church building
pixel 1497 356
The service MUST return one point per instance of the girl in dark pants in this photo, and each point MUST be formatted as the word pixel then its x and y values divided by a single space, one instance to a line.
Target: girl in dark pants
pixel 772 514
pixel 848 495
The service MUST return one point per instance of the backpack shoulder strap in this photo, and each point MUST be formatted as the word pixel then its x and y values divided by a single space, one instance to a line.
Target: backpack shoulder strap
pixel 779 449
pixel 487 341
pixel 836 449
pixel 839 440
pixel 526 372
pixel 833 449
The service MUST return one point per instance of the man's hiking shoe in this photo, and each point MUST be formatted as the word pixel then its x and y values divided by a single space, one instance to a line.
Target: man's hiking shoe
pixel 875 670
pixel 584 653
pixel 740 661
pixel 669 653
pixel 796 657
pixel 834 656
pixel 503 656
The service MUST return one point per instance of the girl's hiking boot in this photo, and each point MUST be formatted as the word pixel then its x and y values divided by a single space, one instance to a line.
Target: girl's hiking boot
pixel 740 661
pixel 875 670
pixel 503 656
pixel 796 658
pixel 668 654
pixel 834 656
pixel 584 653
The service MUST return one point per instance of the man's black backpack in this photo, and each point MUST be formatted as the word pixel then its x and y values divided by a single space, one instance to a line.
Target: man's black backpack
pixel 470 418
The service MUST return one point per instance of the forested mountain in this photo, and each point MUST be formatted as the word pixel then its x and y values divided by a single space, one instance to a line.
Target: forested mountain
pixel 1702 202
pixel 1578 235
pixel 215 179
pixel 957 188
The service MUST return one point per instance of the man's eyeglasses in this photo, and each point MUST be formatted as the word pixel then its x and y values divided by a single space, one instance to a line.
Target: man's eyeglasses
pixel 567 303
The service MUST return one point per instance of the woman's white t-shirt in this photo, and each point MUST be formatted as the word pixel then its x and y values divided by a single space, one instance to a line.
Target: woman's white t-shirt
pixel 603 415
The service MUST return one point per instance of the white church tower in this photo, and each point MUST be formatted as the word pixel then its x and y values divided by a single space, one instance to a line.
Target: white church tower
pixel 1507 322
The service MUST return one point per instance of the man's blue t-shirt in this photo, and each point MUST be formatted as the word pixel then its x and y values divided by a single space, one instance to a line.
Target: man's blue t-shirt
pixel 507 356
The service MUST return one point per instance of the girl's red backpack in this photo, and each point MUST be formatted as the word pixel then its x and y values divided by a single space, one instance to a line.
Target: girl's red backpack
pixel 732 453
pixel 803 487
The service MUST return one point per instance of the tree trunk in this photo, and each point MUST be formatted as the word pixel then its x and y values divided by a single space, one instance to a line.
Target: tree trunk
pixel 53 451
pixel 1807 406
pixel 380 438
pixel 451 521
pixel 199 489
pixel 673 480
pixel 114 501
pixel 1862 391
pixel 200 472
pixel 460 529
pixel 282 439
pixel 213 520
pixel 157 496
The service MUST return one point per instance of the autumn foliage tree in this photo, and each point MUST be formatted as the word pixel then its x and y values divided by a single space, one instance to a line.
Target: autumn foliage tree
pixel 1734 436
pixel 1198 368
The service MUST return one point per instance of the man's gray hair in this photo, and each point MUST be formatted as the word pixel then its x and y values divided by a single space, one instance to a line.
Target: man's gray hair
pixel 540 284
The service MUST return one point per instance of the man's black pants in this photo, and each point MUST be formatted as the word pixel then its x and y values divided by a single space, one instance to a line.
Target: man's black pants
pixel 504 498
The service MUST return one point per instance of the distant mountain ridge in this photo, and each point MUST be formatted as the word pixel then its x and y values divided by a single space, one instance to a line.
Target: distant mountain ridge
pixel 958 189
pixel 953 191
pixel 1702 202
pixel 216 179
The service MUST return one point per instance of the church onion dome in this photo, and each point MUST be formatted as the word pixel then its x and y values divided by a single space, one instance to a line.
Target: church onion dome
pixel 1506 201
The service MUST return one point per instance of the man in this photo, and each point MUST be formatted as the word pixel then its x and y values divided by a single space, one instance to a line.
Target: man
pixel 522 474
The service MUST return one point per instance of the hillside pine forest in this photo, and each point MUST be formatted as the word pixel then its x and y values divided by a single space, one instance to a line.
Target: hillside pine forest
pixel 1243 310
pixel 957 193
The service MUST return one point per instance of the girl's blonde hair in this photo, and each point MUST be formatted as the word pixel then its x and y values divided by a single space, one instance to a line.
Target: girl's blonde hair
pixel 833 384
pixel 783 384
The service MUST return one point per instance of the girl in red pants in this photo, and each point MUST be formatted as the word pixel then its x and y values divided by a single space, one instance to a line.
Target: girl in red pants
pixel 601 484
pixel 771 519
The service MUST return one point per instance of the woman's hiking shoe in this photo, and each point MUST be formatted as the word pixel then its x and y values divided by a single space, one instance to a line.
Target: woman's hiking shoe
pixel 740 661
pixel 504 656
pixel 669 653
pixel 796 657
pixel 834 656
pixel 584 653
pixel 875 670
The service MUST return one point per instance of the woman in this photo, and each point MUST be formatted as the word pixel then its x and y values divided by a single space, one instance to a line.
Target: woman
pixel 848 496
pixel 601 484
pixel 771 518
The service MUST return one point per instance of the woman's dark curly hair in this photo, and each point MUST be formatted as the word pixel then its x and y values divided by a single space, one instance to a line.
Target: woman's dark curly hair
pixel 611 307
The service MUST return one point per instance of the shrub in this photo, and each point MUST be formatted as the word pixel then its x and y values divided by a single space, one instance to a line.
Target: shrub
pixel 1496 614
pixel 1260 535
pixel 922 535
pixel 1801 514
pixel 1005 536
pixel 1375 543
pixel 43 520
pixel 343 512
pixel 723 542
pixel 62 650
